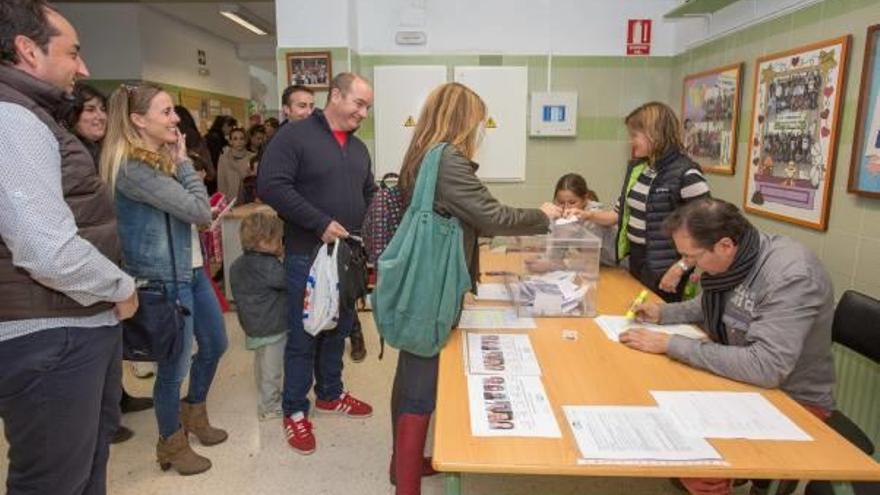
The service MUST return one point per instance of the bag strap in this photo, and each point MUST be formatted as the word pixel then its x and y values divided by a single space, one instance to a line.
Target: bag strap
pixel 171 249
pixel 426 182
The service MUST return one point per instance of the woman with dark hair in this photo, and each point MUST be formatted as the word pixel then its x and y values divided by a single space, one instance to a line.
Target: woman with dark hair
pixel 256 138
pixel 196 148
pixel 86 117
pixel 216 136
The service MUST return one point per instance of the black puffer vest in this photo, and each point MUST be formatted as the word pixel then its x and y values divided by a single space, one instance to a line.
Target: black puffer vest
pixel 84 192
pixel 664 197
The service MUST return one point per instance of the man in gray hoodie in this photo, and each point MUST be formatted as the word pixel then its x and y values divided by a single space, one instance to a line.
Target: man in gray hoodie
pixel 767 305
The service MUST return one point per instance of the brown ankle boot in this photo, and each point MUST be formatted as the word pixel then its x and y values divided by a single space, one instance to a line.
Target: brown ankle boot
pixel 175 452
pixel 195 420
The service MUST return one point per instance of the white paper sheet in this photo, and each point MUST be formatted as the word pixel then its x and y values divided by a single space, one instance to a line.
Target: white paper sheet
pixel 507 354
pixel 613 326
pixel 222 214
pixel 493 319
pixel 633 433
pixel 493 292
pixel 510 406
pixel 729 415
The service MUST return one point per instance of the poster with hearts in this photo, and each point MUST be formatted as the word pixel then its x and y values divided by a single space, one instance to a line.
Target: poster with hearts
pixel 795 123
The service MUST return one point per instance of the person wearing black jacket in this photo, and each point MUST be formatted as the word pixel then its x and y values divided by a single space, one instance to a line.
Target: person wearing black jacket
pixel 317 175
pixel 216 141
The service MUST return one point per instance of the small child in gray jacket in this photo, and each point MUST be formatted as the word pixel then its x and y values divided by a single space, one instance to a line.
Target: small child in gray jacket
pixel 259 286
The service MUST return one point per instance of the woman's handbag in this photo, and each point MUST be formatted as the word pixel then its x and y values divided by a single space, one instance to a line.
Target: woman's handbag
pixel 155 332
pixel 422 274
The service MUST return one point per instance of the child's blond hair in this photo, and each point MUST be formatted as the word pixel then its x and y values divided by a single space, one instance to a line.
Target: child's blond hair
pixel 260 227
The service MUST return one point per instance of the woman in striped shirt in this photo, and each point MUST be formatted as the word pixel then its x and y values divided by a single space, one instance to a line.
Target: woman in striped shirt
pixel 659 179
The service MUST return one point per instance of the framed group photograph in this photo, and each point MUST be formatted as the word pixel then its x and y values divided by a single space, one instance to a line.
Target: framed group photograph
pixel 709 113
pixel 864 172
pixel 795 122
pixel 312 69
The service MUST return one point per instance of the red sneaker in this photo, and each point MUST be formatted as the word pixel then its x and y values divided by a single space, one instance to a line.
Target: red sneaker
pixel 298 430
pixel 346 405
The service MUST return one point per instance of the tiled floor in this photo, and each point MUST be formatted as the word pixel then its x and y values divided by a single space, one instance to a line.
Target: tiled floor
pixel 352 455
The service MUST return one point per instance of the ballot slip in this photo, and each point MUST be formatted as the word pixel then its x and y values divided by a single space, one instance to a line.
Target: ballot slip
pixel 613 326
pixel 493 292
pixel 494 319
pixel 510 406
pixel 501 354
pixel 634 434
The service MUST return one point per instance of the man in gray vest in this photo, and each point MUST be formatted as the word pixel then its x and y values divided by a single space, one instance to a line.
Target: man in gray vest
pixel 62 292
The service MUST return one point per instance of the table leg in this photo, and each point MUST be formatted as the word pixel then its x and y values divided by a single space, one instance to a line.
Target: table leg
pixel 842 488
pixel 453 483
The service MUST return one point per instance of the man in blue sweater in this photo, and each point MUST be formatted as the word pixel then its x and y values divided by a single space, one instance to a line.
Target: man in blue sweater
pixel 317 175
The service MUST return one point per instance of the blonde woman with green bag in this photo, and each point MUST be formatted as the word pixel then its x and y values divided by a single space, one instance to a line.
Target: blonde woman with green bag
pixel 432 261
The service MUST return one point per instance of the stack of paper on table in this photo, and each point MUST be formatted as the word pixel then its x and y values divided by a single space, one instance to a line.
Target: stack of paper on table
pixel 640 434
pixel 494 319
pixel 729 415
pixel 505 393
pixel 613 326
pixel 493 292
pixel 500 354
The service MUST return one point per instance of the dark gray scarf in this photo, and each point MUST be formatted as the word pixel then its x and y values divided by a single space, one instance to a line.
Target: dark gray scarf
pixel 716 287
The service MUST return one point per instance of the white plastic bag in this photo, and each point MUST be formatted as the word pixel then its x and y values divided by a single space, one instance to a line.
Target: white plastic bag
pixel 321 302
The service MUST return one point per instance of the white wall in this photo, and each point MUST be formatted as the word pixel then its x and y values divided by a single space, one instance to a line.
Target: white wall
pixel 170 48
pixel 134 41
pixel 307 23
pixel 109 47
pixel 572 27
pixel 732 18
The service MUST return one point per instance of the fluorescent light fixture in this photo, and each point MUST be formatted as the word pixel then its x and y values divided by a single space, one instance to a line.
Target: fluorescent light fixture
pixel 244 18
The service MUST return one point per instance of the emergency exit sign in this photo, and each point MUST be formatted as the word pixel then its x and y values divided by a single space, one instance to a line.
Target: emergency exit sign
pixel 638 37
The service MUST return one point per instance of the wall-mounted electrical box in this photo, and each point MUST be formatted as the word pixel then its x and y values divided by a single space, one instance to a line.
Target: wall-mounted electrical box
pixel 553 114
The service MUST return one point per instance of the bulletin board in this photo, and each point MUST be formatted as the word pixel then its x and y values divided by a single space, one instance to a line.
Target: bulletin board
pixel 204 107
pixel 399 92
pixel 502 155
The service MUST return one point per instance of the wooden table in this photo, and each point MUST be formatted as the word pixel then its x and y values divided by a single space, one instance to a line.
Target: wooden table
pixel 596 371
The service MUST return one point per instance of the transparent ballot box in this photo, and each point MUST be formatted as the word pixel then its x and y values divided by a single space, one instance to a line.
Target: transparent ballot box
pixel 554 274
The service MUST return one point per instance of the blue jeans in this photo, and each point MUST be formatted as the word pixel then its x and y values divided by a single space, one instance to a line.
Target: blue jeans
pixel 206 324
pixel 59 401
pixel 308 358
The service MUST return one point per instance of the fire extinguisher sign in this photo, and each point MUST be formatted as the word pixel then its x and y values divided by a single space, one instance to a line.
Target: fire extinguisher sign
pixel 638 37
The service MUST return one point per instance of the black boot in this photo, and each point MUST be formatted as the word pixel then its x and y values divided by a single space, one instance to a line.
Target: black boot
pixel 134 404
pixel 358 349
pixel 122 434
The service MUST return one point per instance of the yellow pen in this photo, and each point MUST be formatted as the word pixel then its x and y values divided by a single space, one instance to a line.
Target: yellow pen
pixel 631 312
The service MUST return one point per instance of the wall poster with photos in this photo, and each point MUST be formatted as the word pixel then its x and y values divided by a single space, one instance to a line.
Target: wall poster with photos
pixel 864 172
pixel 710 112
pixel 795 123
pixel 312 69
